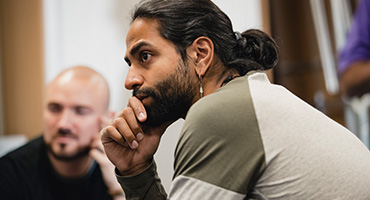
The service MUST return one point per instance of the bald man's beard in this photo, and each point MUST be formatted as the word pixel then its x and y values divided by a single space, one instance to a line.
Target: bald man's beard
pixel 172 97
pixel 82 152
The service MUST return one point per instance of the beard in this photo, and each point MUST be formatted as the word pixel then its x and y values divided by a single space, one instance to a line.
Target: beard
pixel 82 151
pixel 172 97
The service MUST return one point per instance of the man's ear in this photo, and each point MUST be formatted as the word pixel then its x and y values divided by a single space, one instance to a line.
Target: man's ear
pixel 201 51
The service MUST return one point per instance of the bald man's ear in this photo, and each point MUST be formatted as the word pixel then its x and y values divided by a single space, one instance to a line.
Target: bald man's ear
pixel 201 51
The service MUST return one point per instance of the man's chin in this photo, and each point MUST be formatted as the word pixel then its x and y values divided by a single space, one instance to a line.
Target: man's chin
pixel 64 154
pixel 160 115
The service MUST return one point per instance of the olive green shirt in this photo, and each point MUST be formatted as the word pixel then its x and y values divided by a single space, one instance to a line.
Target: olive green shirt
pixel 255 140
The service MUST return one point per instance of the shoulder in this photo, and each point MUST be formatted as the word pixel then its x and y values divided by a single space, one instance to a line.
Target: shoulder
pixel 225 100
pixel 20 170
pixel 25 155
pixel 220 134
pixel 224 117
pixel 231 105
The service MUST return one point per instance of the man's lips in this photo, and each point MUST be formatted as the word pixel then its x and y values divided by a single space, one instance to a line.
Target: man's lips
pixel 143 98
pixel 65 138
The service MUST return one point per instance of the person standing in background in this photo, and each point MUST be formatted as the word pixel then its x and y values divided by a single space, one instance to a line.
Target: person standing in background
pixel 354 59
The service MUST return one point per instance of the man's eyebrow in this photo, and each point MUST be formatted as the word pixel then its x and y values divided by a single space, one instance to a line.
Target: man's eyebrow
pixel 136 48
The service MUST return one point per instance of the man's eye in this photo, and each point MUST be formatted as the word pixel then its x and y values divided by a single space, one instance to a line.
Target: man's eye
pixel 54 108
pixel 82 110
pixel 145 56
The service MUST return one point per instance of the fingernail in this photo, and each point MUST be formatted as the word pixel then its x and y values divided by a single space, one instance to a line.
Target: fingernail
pixel 134 144
pixel 141 116
pixel 139 137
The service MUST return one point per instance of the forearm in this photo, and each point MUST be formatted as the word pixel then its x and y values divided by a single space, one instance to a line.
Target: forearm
pixel 145 185
pixel 355 81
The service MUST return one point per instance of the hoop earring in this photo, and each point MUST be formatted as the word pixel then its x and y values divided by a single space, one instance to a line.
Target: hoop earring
pixel 201 87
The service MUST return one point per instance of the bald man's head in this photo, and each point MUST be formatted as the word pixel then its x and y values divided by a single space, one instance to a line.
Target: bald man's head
pixel 87 75
pixel 75 103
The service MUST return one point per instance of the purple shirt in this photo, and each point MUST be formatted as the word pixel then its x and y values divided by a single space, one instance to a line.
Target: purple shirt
pixel 357 47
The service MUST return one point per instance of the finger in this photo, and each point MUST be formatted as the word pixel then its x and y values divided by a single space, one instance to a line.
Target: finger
pixel 127 130
pixel 110 133
pixel 138 108
pixel 97 144
pixel 129 116
pixel 98 156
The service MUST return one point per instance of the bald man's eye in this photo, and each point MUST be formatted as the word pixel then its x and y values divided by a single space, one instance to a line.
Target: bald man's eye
pixel 54 108
pixel 82 111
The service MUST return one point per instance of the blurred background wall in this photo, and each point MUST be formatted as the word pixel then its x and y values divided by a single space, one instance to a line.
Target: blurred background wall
pixel 21 66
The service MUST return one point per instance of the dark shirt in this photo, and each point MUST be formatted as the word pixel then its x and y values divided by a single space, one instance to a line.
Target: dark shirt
pixel 26 173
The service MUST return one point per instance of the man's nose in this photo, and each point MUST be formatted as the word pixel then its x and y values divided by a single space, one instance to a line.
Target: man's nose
pixel 65 119
pixel 133 79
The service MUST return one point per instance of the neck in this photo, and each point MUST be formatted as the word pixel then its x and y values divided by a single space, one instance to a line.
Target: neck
pixel 76 168
pixel 211 84
pixel 228 79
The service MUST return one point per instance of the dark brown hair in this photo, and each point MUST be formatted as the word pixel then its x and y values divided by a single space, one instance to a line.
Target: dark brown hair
pixel 183 21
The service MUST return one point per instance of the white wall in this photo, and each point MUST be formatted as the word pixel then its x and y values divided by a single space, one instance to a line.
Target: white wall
pixel 88 32
pixel 92 33
pixel 244 14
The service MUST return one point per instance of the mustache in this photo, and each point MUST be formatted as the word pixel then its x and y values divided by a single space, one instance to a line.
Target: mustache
pixel 145 91
pixel 66 132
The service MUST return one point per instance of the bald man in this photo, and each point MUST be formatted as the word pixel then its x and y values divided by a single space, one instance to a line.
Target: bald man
pixel 67 161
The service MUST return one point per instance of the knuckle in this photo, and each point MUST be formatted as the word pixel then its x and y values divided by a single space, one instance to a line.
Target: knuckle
pixel 110 129
pixel 127 111
pixel 136 129
pixel 130 138
pixel 117 121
